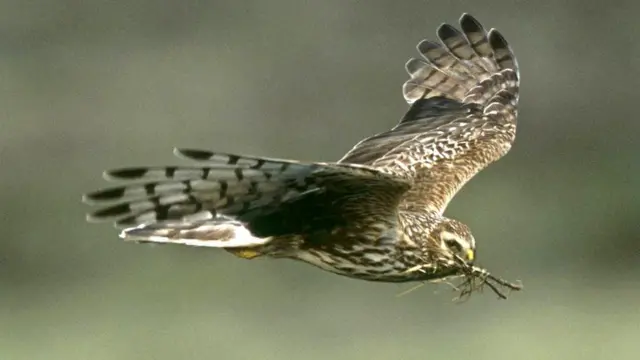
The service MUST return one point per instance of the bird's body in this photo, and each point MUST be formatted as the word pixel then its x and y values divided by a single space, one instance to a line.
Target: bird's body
pixel 376 214
pixel 384 250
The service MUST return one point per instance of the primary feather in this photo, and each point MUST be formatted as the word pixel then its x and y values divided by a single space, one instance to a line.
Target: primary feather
pixel 464 93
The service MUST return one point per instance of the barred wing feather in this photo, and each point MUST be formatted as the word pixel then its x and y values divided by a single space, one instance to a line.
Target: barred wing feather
pixel 463 93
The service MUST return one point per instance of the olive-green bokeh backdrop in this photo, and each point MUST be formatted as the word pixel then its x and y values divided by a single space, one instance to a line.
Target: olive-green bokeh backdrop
pixel 89 85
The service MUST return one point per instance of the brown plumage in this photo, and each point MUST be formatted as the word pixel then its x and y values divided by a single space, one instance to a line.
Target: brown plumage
pixel 377 213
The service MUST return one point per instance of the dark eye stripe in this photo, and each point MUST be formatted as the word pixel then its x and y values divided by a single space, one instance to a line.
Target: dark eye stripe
pixel 454 244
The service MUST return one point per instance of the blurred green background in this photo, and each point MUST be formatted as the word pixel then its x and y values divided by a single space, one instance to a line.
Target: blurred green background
pixel 90 85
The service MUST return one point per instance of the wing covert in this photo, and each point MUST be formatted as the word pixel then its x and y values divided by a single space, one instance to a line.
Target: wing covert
pixel 463 93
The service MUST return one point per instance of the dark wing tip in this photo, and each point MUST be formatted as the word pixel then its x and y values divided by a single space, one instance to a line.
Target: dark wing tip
pixel 415 66
pixel 102 195
pixel 469 23
pixel 110 212
pixel 496 40
pixel 446 31
pixel 126 173
pixel 427 45
pixel 193 154
pixel 502 51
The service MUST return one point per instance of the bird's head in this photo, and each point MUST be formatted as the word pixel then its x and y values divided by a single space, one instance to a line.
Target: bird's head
pixel 458 251
pixel 455 241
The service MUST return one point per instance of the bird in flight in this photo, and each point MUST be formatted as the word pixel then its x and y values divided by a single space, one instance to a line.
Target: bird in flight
pixel 377 213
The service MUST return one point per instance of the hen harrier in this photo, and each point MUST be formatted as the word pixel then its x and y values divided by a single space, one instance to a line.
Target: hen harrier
pixel 377 213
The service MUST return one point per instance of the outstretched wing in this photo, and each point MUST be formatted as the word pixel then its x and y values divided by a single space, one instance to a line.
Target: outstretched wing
pixel 224 193
pixel 464 94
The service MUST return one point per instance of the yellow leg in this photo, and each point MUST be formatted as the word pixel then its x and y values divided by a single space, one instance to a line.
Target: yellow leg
pixel 245 253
